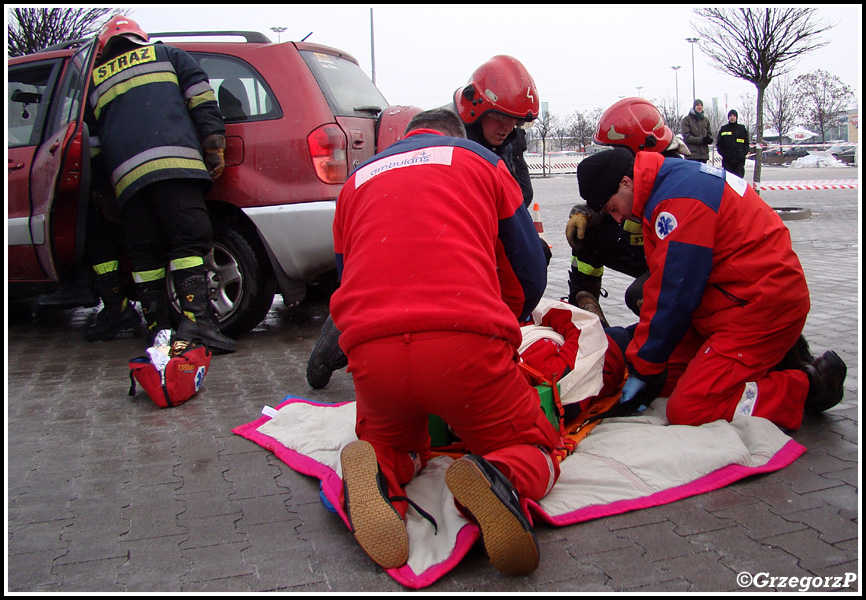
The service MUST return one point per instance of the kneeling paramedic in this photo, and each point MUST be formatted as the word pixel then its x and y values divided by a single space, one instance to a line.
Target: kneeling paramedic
pixel 726 298
pixel 439 263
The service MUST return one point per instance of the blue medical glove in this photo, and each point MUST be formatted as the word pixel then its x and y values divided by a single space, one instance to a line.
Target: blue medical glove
pixel 633 386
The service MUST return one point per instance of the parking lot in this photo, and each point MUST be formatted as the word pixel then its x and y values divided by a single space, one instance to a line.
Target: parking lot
pixel 108 493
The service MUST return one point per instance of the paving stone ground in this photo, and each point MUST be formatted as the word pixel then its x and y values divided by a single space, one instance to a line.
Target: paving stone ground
pixel 107 493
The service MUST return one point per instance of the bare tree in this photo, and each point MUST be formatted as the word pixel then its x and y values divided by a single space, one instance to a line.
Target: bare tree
pixel 757 45
pixel 541 129
pixel 821 97
pixel 781 106
pixel 33 29
pixel 668 109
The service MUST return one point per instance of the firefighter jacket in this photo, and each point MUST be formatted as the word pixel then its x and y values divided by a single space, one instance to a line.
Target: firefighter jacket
pixel 720 259
pixel 152 105
pixel 733 142
pixel 432 235
pixel 695 127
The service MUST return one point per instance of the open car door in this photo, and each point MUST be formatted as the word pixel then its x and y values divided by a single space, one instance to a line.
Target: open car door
pixel 58 175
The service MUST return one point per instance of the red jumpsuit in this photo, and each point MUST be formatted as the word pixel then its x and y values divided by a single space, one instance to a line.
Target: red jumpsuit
pixel 726 296
pixel 439 261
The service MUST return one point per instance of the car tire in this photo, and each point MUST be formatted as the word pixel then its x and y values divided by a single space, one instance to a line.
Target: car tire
pixel 241 283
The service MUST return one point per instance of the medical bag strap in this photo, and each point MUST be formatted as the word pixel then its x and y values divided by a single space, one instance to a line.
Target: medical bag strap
pixel 568 445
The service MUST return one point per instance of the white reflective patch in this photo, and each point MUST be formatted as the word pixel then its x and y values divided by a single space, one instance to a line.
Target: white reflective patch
pixel 737 184
pixel 437 155
pixel 665 223
pixel 746 405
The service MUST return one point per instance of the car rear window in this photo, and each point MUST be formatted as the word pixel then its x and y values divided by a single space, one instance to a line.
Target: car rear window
pixel 347 88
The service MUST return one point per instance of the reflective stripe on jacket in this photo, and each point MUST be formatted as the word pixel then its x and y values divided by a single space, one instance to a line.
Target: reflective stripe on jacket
pixel 152 104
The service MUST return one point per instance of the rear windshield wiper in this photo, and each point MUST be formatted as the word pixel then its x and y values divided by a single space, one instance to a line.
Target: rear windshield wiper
pixel 372 109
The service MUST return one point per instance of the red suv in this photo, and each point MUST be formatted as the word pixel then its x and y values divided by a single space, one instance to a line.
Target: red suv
pixel 299 117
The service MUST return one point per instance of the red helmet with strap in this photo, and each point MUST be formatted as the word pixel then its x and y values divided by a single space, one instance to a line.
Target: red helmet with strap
pixel 502 84
pixel 636 124
pixel 119 25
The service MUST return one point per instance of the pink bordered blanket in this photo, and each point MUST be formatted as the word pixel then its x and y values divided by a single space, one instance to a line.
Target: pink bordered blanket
pixel 625 464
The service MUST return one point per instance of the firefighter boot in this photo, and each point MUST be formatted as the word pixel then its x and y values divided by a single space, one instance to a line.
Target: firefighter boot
pixel 117 312
pixel 153 298
pixel 326 357
pixel 198 320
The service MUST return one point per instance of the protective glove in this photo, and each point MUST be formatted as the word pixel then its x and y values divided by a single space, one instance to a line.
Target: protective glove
pixel 708 139
pixel 214 154
pixel 580 218
pixel 632 388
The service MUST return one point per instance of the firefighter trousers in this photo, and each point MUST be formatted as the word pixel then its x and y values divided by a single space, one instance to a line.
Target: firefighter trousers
pixel 474 384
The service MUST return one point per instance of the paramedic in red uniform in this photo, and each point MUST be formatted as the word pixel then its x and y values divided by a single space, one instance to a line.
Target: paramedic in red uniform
pixel 440 263
pixel 162 139
pixel 726 297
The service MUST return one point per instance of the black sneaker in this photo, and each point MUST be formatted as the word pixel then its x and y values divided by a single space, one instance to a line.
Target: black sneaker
pixel 490 500
pixel 326 357
pixel 826 382
pixel 375 522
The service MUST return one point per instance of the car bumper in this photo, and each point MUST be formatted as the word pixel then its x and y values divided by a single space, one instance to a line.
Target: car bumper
pixel 299 236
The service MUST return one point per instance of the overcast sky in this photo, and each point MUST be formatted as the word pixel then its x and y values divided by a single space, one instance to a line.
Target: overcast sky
pixel 581 57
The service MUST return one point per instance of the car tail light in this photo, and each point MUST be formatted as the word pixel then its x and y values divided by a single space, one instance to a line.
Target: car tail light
pixel 327 146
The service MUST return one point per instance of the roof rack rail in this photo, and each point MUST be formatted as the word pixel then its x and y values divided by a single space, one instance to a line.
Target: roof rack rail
pixel 249 36
pixel 66 44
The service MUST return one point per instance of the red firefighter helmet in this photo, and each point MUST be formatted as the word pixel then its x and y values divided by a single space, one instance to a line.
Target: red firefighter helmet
pixel 119 25
pixel 502 84
pixel 636 124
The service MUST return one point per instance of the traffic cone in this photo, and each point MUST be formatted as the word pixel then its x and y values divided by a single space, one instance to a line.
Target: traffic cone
pixel 539 227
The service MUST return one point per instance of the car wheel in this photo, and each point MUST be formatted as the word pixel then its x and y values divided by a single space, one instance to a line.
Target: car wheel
pixel 241 284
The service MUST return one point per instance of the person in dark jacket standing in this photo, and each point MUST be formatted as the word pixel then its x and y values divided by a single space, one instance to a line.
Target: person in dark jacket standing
pixel 695 128
pixel 733 145
pixel 162 138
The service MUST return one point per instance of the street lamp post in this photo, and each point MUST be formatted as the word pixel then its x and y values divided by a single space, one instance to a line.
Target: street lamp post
pixel 693 41
pixel 677 82
pixel 639 88
pixel 278 31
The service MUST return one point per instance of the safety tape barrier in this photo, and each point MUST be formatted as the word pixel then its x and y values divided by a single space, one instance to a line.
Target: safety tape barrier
pixel 830 184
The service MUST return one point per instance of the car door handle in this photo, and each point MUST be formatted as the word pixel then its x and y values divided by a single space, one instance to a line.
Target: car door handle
pixel 14 166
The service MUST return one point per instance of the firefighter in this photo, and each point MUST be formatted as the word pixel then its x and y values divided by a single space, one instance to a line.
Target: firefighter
pixel 726 296
pixel 596 240
pixel 162 138
pixel 494 106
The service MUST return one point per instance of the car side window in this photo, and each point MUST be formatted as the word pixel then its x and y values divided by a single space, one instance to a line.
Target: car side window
pixel 29 98
pixel 242 94
pixel 67 106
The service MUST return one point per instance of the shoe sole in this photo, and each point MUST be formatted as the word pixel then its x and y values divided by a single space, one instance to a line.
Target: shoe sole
pixel 511 548
pixel 375 522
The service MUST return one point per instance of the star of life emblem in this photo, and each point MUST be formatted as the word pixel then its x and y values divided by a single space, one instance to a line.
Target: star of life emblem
pixel 665 224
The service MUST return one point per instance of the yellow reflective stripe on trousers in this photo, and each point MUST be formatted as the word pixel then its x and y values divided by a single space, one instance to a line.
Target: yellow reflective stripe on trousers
pixel 125 86
pixel 146 276
pixel 586 269
pixel 187 262
pixel 106 267
pixel 156 165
